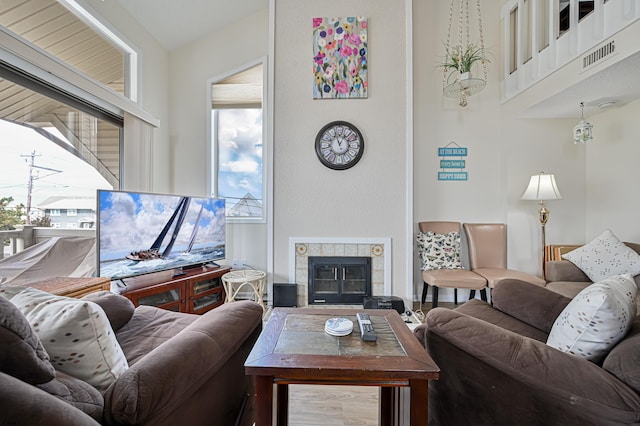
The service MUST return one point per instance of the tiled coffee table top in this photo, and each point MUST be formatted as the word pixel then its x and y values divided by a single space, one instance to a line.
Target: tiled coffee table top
pixel 305 335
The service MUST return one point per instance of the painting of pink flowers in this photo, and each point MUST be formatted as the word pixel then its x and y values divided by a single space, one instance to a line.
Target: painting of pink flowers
pixel 340 58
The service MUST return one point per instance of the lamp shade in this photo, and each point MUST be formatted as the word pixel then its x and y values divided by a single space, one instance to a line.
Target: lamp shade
pixel 542 187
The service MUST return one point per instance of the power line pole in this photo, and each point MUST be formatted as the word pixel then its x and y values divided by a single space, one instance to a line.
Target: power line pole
pixel 30 184
pixel 32 166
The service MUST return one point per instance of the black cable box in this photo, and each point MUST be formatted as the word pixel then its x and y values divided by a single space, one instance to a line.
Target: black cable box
pixel 384 302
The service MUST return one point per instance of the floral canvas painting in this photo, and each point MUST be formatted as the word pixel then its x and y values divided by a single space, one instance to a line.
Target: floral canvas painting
pixel 340 58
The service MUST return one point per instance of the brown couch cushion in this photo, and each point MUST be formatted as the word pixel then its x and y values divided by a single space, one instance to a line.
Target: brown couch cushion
pixel 624 359
pixel 22 355
pixel 118 308
pixel 173 355
pixel 483 311
pixel 149 328
pixel 22 404
pixel 80 394
pixel 568 289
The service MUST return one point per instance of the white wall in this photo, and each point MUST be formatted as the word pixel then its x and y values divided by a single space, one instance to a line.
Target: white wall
pixel 440 121
pixel 368 200
pixel 613 194
pixel 191 66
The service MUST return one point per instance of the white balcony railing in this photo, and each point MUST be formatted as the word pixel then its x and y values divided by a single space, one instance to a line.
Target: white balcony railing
pixel 541 36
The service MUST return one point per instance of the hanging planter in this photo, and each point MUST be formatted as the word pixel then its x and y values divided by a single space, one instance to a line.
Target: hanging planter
pixel 465 56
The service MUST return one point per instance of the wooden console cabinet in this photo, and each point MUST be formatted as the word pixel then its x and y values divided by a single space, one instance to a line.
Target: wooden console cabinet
pixel 196 291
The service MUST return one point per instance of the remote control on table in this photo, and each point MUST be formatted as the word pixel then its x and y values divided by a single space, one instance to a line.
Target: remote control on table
pixel 366 329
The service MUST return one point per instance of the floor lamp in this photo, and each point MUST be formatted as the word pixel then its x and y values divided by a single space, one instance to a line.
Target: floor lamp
pixel 542 188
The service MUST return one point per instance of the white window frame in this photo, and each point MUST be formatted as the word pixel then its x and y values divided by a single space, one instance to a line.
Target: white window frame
pixel 40 64
pixel 54 212
pixel 89 17
pixel 72 212
pixel 212 166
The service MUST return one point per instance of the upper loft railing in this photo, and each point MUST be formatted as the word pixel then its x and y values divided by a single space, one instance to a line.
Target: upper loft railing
pixel 541 36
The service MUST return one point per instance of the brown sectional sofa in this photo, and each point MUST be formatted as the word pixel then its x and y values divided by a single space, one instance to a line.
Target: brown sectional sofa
pixel 183 369
pixel 496 368
pixel 567 279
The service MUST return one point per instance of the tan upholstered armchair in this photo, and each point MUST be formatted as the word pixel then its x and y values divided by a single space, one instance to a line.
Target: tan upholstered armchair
pixel 488 254
pixel 449 278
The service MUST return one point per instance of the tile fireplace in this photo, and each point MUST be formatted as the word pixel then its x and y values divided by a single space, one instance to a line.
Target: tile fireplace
pixel 377 249
pixel 339 279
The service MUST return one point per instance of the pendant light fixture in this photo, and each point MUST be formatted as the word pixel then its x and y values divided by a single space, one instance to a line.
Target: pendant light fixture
pixel 583 132
pixel 465 57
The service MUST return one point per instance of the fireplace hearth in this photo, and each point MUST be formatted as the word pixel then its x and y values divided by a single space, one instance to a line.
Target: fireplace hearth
pixel 339 279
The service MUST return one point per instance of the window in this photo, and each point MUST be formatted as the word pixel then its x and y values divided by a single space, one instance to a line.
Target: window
pixel 543 25
pixel 564 17
pixel 513 40
pixel 60 142
pixel 51 151
pixel 66 31
pixel 237 141
pixel 527 29
pixel 585 7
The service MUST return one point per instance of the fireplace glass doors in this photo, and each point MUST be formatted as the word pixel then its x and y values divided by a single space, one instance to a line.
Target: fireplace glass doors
pixel 339 280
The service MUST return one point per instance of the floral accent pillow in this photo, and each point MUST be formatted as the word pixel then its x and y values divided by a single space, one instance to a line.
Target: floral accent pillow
pixel 439 251
pixel 596 319
pixel 604 257
pixel 75 333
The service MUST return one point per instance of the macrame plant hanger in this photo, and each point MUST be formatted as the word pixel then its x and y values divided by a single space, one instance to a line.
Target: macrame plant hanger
pixel 461 60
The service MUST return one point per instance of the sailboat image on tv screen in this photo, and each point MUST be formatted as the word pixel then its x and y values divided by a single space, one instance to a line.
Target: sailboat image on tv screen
pixel 178 216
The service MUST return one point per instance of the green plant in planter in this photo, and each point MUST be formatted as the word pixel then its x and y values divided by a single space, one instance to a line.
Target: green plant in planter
pixel 462 59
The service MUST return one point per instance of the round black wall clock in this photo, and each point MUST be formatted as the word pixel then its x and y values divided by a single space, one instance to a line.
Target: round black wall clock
pixel 339 145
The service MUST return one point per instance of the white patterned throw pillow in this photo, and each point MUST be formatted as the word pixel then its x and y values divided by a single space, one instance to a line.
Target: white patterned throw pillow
pixel 605 257
pixel 439 251
pixel 76 334
pixel 596 319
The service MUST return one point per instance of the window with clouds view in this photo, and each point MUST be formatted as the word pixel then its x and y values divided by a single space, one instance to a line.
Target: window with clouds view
pixel 239 160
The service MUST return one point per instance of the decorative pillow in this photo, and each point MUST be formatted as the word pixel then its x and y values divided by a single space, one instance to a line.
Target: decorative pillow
pixel 22 355
pixel 118 308
pixel 605 257
pixel 624 359
pixel 76 334
pixel 439 251
pixel 596 319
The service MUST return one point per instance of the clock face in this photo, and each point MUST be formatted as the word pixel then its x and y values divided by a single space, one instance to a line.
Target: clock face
pixel 339 145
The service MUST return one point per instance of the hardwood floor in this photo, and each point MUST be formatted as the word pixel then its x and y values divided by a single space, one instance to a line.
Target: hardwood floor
pixel 315 405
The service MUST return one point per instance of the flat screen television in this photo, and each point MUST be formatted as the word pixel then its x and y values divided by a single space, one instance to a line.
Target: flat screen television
pixel 140 233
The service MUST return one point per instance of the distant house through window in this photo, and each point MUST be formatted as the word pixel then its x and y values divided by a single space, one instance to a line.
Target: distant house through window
pixel 237 143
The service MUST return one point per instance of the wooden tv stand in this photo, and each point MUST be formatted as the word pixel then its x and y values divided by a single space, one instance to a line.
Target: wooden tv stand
pixel 194 291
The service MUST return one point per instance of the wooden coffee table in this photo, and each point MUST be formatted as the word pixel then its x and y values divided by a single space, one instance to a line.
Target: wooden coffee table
pixel 294 349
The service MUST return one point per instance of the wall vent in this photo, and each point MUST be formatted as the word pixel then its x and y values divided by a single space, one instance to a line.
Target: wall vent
pixel 595 56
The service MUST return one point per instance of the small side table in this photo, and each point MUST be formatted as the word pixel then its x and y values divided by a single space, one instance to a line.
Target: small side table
pixel 234 281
